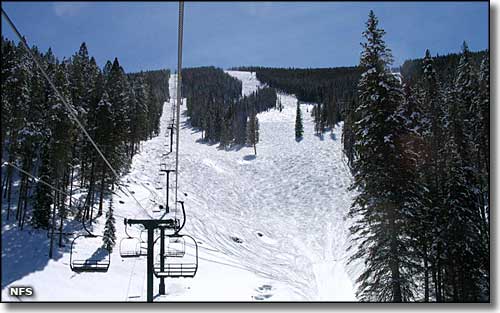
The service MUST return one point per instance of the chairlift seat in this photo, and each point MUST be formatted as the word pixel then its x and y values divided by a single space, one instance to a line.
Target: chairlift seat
pixel 90 265
pixel 176 247
pixel 176 270
pixel 180 257
pixel 130 247
pixel 88 255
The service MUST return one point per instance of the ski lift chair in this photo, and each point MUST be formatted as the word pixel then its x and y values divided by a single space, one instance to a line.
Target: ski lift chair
pixel 88 254
pixel 180 258
pixel 130 247
pixel 158 185
pixel 176 247
pixel 144 236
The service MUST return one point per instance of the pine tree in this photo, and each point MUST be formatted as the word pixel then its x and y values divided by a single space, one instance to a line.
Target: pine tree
pixel 280 104
pixel 43 195
pixel 316 113
pixel 117 88
pixel 432 176
pixel 463 243
pixel 380 177
pixel 348 134
pixel 299 128
pixel 483 131
pixel 226 137
pixel 253 130
pixel 109 238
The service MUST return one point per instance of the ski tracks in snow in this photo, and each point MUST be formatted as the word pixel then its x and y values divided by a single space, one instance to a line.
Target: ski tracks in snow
pixel 280 214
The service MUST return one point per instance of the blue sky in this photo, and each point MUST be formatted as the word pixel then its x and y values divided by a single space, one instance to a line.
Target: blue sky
pixel 143 35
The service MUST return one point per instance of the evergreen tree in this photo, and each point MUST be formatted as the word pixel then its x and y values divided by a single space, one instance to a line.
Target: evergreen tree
pixel 109 237
pixel 380 177
pixel 348 137
pixel 316 113
pixel 431 169
pixel 299 128
pixel 482 127
pixel 226 137
pixel 43 195
pixel 253 130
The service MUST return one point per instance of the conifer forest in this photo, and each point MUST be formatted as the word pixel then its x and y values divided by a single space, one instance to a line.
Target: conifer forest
pixel 368 182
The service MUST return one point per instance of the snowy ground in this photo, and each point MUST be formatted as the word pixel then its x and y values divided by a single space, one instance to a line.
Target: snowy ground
pixel 269 227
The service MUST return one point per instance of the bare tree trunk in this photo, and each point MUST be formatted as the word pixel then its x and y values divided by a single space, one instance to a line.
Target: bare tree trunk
pixel 435 281
pixel 3 183
pixel 53 226
pixel 20 198
pixel 61 221
pixel 25 205
pixel 101 192
pixel 426 274
pixel 82 171
pixel 394 262
pixel 62 207
pixel 7 182
pixel 71 185
pixel 91 191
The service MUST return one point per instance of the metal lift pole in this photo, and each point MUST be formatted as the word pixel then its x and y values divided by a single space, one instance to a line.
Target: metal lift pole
pixel 168 185
pixel 171 127
pixel 151 225
pixel 150 264
pixel 162 259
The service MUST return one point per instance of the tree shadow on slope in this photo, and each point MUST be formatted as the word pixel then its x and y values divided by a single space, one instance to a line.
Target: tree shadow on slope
pixel 194 130
pixel 250 157
pixel 321 136
pixel 27 251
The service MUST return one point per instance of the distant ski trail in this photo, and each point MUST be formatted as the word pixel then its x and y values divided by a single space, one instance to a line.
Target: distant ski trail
pixel 295 193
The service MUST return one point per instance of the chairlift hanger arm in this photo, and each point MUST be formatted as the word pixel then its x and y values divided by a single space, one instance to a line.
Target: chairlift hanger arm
pixel 183 217
pixel 168 223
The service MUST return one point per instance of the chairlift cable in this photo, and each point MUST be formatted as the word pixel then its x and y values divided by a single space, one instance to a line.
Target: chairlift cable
pixel 38 180
pixel 179 99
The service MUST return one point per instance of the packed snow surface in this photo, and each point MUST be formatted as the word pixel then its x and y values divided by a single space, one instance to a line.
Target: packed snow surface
pixel 269 227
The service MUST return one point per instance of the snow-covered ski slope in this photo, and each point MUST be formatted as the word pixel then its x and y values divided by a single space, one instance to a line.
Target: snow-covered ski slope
pixel 269 227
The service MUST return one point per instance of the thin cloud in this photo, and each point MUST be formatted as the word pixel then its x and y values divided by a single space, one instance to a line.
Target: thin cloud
pixel 68 9
pixel 260 9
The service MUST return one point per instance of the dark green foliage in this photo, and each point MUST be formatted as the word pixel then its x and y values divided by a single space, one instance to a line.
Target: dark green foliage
pixel 43 196
pixel 335 87
pixel 445 66
pixel 382 178
pixel 210 94
pixel 421 169
pixel 253 130
pixel 109 237
pixel 216 107
pixel 299 128
pixel 118 111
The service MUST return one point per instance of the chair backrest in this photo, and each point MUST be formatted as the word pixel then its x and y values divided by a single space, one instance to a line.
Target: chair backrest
pixel 180 258
pixel 176 247
pixel 87 254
